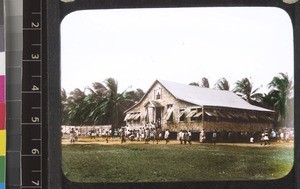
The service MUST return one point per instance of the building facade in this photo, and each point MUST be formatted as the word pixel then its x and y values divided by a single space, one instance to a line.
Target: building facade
pixel 174 106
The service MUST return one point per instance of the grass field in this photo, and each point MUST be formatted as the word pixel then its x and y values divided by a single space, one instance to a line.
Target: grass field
pixel 138 162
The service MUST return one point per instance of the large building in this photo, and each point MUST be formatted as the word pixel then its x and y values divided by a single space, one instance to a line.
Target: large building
pixel 176 106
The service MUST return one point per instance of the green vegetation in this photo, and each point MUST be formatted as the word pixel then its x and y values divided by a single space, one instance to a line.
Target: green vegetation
pixel 222 84
pixel 102 104
pixel 245 90
pixel 137 162
pixel 280 93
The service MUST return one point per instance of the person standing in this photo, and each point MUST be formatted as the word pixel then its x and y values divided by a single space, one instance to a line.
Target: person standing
pixel 123 136
pixel 262 138
pixel 147 136
pixel 116 133
pixel 214 137
pixel 266 138
pixel 180 136
pixel 141 131
pixel 76 134
pixel 287 136
pixel 72 136
pixel 107 136
pixel 189 135
pixel 273 135
pixel 93 134
pixel 202 136
pixel 281 136
pixel 167 133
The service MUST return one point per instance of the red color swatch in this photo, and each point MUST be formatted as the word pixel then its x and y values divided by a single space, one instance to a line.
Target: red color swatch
pixel 2 116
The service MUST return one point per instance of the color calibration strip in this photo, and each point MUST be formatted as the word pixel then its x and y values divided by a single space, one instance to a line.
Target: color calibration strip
pixel 2 100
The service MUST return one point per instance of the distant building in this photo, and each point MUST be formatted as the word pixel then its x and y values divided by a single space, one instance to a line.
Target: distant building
pixel 176 106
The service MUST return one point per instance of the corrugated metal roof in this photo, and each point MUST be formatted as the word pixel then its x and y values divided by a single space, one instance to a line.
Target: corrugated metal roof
pixel 208 97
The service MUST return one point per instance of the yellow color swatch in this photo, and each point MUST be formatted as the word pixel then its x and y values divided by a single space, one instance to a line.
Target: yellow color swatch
pixel 2 142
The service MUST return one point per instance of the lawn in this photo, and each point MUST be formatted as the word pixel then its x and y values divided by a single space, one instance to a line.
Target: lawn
pixel 138 162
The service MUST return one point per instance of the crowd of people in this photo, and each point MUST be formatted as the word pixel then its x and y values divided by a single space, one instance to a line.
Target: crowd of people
pixel 145 134
pixel 264 137
pixel 184 136
pixel 155 134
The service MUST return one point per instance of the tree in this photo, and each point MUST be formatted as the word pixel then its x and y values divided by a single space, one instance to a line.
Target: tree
pixel 194 84
pixel 64 107
pixel 281 87
pixel 98 89
pixel 77 106
pixel 100 104
pixel 94 100
pixel 222 84
pixel 132 97
pixel 243 88
pixel 204 83
pixel 113 104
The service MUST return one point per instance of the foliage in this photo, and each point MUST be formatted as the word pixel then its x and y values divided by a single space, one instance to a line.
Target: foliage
pixel 64 107
pixel 103 104
pixel 194 84
pixel 222 84
pixel 204 83
pixel 244 89
pixel 77 106
pixel 281 87
pixel 276 99
pixel 100 104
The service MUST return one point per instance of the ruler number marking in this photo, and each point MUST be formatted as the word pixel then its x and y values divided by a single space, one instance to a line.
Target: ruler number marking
pixel 35 24
pixel 37 183
pixel 35 88
pixel 35 151
pixel 35 119
pixel 35 56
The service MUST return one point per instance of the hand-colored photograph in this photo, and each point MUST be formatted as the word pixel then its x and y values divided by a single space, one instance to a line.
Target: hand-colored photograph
pixel 177 95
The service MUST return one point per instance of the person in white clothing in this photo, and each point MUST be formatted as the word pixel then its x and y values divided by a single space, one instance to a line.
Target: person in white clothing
pixel 180 136
pixel 167 133
pixel 202 136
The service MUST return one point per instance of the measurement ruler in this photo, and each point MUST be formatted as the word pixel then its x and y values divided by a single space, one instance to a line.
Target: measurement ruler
pixel 32 153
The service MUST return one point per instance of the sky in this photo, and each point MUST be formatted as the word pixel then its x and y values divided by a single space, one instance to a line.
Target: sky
pixel 138 46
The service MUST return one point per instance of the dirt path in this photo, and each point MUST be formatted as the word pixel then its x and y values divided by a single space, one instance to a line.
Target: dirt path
pixel 117 141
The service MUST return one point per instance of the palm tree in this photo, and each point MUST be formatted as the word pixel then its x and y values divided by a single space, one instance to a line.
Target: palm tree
pixel 222 84
pixel 139 93
pixel 132 97
pixel 94 100
pixel 97 89
pixel 98 105
pixel 243 88
pixel 194 84
pixel 113 104
pixel 204 83
pixel 64 107
pixel 77 106
pixel 281 87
